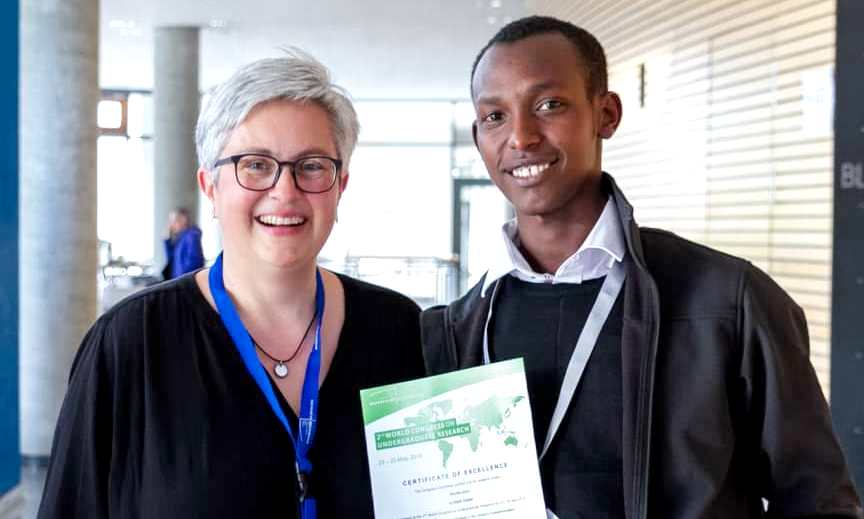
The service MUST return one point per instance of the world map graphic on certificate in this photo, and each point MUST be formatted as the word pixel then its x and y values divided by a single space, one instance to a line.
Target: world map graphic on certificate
pixel 458 445
pixel 491 416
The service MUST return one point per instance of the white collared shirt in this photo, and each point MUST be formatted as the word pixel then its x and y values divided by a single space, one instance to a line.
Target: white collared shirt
pixel 603 246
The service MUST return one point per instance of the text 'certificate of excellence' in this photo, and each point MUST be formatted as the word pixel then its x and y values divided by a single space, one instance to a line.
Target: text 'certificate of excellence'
pixel 458 445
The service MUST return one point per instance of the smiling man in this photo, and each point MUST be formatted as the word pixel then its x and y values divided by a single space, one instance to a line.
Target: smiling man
pixel 667 380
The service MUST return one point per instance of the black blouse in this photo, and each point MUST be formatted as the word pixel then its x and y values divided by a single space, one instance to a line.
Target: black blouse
pixel 162 420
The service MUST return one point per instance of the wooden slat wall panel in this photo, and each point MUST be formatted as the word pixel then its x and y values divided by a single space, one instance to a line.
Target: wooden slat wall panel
pixel 725 151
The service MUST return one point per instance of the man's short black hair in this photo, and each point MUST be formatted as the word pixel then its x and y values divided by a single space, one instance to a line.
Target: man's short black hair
pixel 589 48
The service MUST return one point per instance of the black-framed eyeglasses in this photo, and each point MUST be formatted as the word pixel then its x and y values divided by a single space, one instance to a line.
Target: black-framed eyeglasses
pixel 259 172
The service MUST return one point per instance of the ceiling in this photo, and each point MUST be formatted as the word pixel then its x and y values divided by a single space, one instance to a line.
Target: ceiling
pixel 377 49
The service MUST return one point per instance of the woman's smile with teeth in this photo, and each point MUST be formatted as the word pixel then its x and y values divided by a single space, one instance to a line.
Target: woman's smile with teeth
pixel 529 171
pixel 269 219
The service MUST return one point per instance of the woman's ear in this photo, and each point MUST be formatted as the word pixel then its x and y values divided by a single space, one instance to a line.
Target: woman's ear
pixel 208 186
pixel 205 182
pixel 343 181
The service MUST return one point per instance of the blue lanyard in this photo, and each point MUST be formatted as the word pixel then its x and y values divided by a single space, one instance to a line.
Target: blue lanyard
pixel 309 400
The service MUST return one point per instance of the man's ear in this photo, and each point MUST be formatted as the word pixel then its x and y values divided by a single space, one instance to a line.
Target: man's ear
pixel 611 111
pixel 474 133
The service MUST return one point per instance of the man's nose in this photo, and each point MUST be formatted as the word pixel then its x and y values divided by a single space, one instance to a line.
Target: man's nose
pixel 524 132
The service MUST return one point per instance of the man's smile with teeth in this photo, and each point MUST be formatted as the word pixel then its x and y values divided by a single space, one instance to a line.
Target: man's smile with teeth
pixel 530 171
pixel 269 219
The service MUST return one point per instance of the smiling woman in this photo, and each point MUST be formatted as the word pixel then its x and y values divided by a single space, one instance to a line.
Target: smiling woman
pixel 273 220
pixel 210 395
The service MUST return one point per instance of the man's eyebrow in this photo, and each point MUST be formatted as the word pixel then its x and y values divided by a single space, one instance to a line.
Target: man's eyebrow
pixel 545 85
pixel 488 100
pixel 531 90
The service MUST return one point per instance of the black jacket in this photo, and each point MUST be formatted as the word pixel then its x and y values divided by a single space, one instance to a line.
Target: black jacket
pixel 722 407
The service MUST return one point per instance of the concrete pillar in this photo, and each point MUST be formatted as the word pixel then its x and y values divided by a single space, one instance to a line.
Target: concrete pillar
pixel 175 101
pixel 59 92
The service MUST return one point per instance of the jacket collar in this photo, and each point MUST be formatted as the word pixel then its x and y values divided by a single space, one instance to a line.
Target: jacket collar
pixel 639 343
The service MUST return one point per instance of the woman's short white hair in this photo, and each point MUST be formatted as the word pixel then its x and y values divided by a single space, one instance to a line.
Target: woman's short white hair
pixel 296 76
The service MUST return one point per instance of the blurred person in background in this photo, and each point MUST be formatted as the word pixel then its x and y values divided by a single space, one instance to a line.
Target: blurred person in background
pixel 183 245
pixel 235 392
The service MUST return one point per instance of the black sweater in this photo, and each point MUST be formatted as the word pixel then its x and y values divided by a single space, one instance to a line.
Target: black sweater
pixel 540 322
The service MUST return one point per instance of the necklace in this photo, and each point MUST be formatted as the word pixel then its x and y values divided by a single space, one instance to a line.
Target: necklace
pixel 280 368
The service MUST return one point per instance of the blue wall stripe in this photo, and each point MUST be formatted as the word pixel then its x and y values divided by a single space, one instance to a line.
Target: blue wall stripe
pixel 10 459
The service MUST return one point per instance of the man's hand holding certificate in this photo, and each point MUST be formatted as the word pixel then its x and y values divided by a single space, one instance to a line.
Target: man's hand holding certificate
pixel 457 445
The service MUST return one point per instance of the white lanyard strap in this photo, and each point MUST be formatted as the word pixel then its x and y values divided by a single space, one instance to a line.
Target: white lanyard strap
pixel 584 345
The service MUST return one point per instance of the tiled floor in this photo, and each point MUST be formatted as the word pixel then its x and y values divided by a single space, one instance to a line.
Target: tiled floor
pixel 23 501
pixel 12 504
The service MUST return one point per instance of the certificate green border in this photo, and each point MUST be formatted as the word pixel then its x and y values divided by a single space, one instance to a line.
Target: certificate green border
pixel 378 402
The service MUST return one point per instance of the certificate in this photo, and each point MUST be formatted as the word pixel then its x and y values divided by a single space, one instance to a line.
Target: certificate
pixel 455 446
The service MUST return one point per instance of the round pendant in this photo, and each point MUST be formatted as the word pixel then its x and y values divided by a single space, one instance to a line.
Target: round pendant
pixel 280 370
